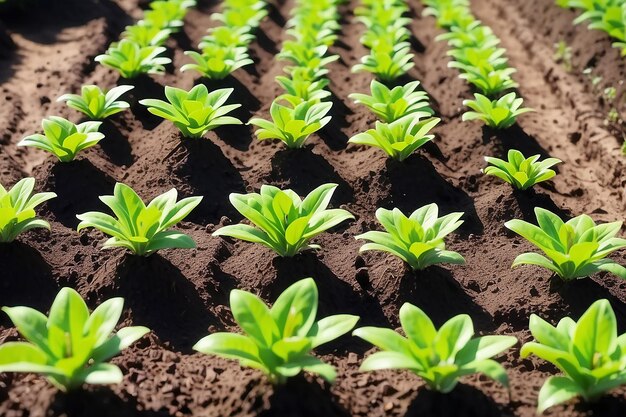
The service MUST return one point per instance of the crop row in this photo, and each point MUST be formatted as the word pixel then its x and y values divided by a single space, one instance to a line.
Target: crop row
pixel 71 346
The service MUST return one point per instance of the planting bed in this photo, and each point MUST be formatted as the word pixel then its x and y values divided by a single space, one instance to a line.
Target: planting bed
pixel 183 295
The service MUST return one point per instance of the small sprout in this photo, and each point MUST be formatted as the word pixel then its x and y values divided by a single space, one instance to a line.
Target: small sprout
pixel 63 138
pixel 70 346
pixel 96 104
pixel 167 14
pixel 145 35
pixel 574 249
pixel 292 126
pixel 301 90
pixel 401 138
pixel 217 62
pixel 242 15
pixel 227 37
pixel 519 171
pixel 278 340
pixel 563 55
pixel 139 228
pixel 17 209
pixel 393 104
pixel 304 56
pixel 418 239
pixel 589 353
pixel 439 356
pixel 488 80
pixel 498 114
pixel 282 220
pixel 387 65
pixel 195 112
pixel 131 59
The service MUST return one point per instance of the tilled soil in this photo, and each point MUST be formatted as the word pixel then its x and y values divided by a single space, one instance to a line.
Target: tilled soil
pixel 183 295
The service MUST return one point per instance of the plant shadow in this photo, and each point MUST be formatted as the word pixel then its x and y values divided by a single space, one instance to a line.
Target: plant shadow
pixel 97 402
pixel 203 170
pixel 144 87
pixel 160 297
pixel 463 401
pixel 303 170
pixel 302 398
pixel 78 185
pixel 415 182
pixel 115 145
pixel 332 133
pixel 27 279
pixel 336 296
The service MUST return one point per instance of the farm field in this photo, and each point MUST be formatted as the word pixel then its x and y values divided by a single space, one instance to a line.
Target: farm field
pixel 183 295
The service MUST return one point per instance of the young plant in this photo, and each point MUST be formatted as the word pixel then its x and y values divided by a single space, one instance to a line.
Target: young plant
pixel 390 105
pixel 194 112
pixel 387 65
pixel 139 228
pixel 589 352
pixel 17 209
pixel 131 59
pixel 301 90
pixel 489 80
pixel 282 220
pixel 217 62
pixel 498 114
pixel 168 14
pixel 574 249
pixel 438 356
pixel 239 15
pixel 70 346
pixel 278 340
pixel 292 126
pixel 418 239
pixel 519 171
pixel 63 138
pixel 401 138
pixel 95 103
pixel 227 37
pixel 146 35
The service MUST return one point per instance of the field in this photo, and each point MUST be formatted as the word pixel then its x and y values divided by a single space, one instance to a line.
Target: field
pixel 182 295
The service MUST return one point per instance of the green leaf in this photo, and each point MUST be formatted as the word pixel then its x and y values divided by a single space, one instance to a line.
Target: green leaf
pixel 556 390
pixel 332 327
pixel 254 317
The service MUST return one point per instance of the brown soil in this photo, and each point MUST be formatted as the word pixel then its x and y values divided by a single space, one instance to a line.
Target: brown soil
pixel 182 295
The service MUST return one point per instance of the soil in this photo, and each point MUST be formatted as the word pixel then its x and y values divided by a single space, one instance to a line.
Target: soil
pixel 183 295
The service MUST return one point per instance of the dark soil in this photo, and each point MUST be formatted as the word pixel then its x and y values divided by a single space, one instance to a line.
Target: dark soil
pixel 183 295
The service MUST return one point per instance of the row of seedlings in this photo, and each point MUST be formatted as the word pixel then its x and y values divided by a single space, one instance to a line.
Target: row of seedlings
pixel 475 52
pixel 608 16
pixel 225 48
pixel 303 109
pixel 140 48
pixel 405 117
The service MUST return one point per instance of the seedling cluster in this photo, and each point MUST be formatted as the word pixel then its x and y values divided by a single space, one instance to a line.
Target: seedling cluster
pixel 71 346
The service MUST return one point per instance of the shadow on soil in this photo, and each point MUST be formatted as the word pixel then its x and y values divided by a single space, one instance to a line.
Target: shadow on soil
pixel 203 170
pixel 415 182
pixel 463 401
pixel 302 170
pixel 78 184
pixel 303 399
pixel 115 145
pixel 97 402
pixel 163 299
pixel 24 269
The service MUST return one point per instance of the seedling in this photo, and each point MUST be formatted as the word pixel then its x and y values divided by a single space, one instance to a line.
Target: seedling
pixel 217 62
pixel 292 126
pixel 574 249
pixel 401 138
pixel 168 14
pixel 278 340
pixel 438 356
pixel 239 15
pixel 282 220
pixel 563 55
pixel 489 80
pixel 145 35
pixel 70 346
pixel 194 112
pixel 139 228
pixel 393 104
pixel 498 114
pixel 418 239
pixel 131 59
pixel 17 209
pixel 519 171
pixel 589 353
pixel 227 37
pixel 299 90
pixel 63 138
pixel 95 103
pixel 387 65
